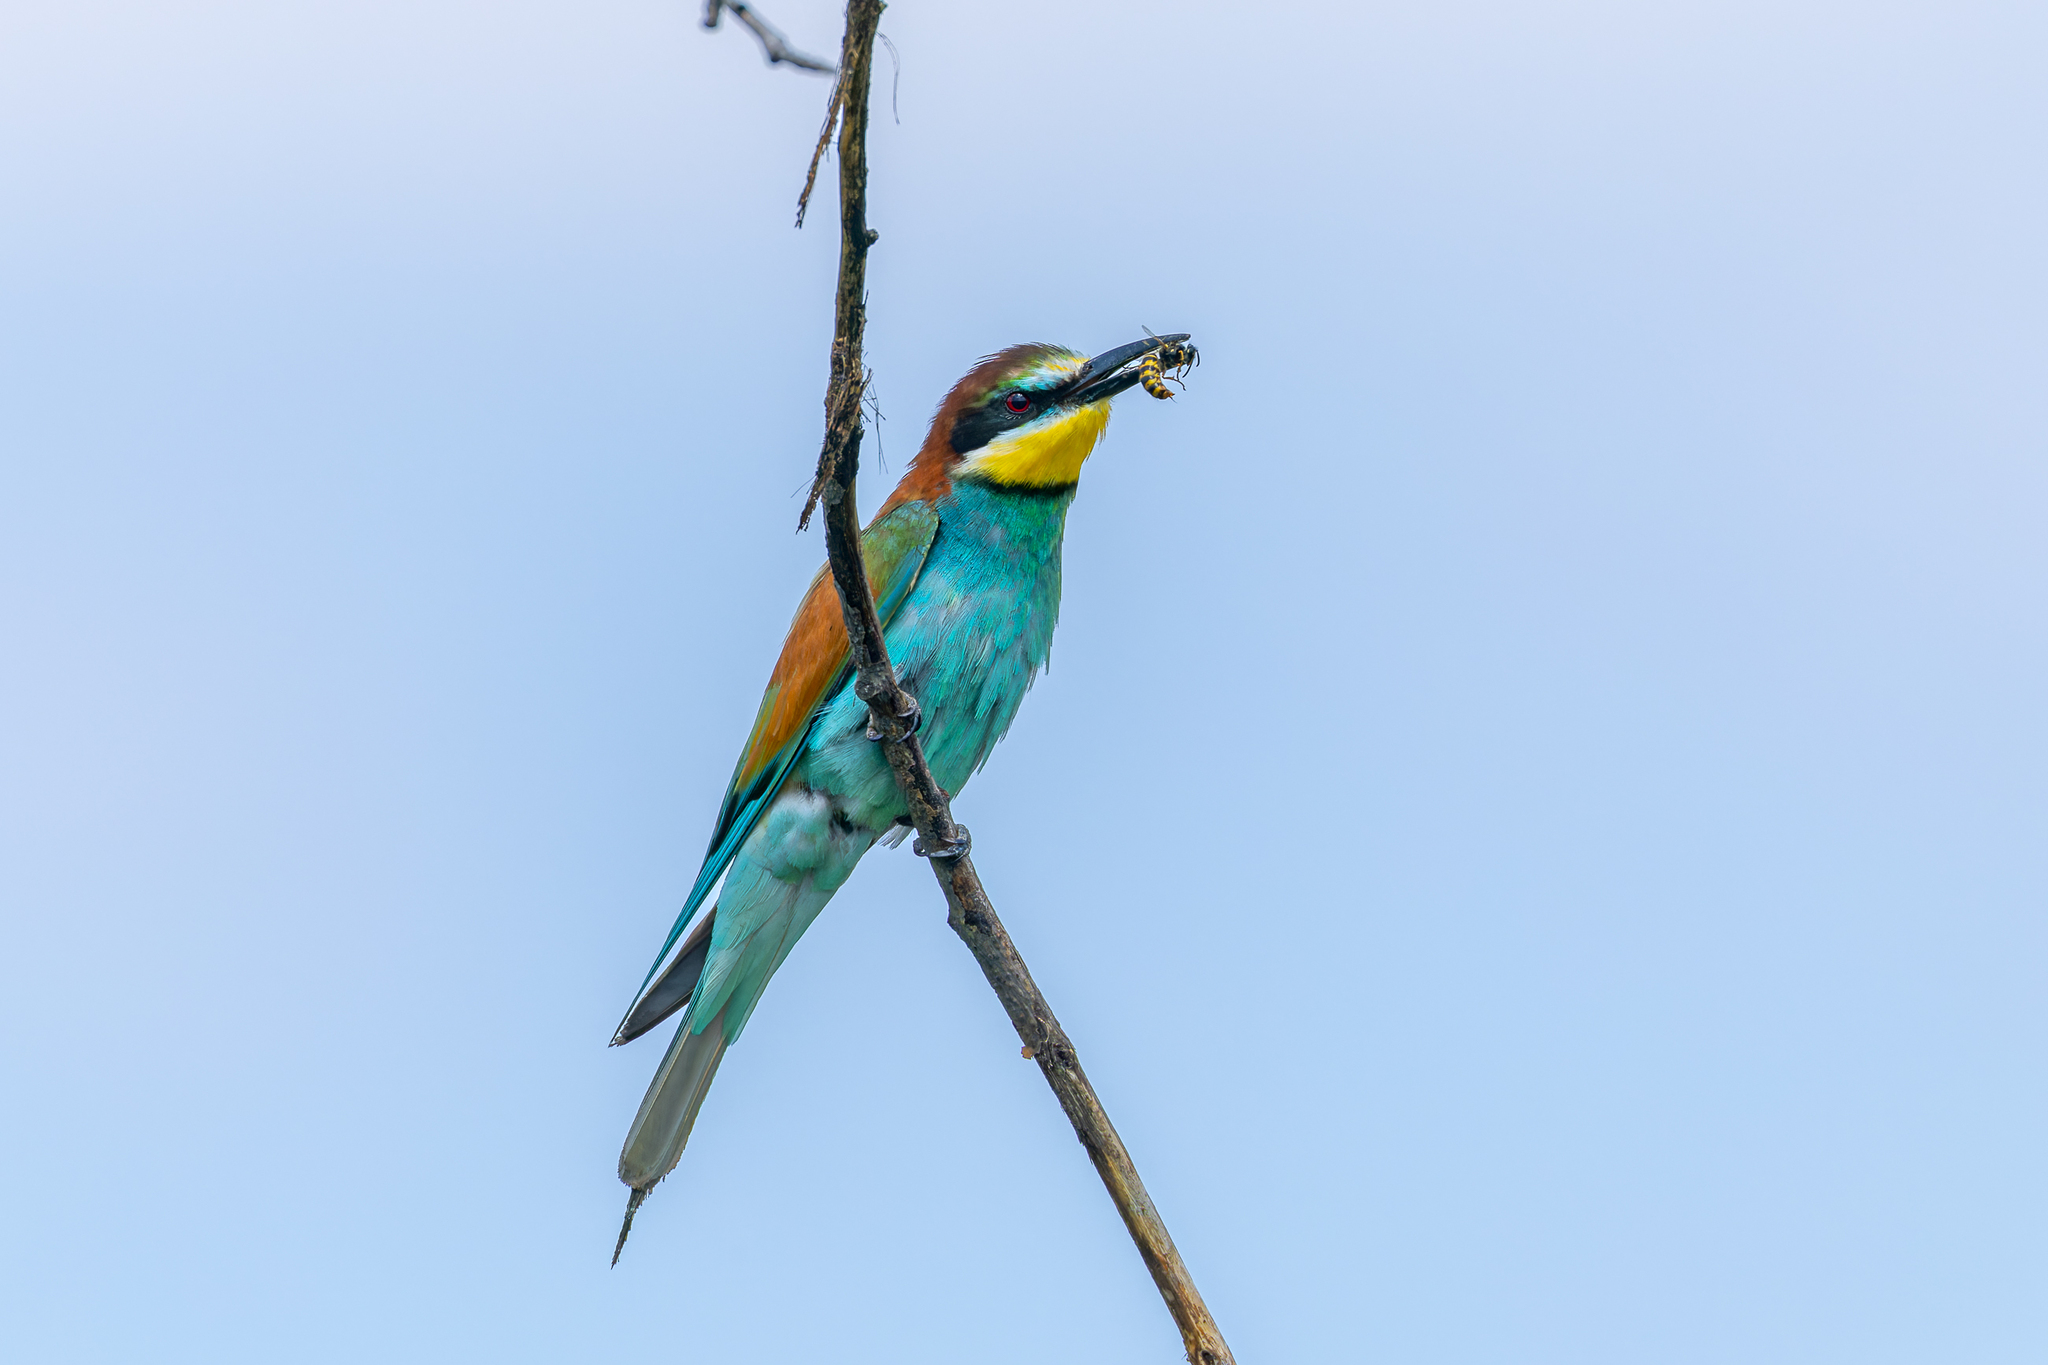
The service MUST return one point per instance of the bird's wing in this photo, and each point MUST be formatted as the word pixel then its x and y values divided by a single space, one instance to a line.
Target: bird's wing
pixel 813 665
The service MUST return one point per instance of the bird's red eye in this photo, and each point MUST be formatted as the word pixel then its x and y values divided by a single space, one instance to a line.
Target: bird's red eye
pixel 1017 402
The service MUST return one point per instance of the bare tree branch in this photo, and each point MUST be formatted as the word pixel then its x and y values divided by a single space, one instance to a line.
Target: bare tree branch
pixel 774 46
pixel 893 719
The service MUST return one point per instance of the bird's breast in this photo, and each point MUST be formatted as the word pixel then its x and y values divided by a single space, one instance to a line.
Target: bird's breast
pixel 967 642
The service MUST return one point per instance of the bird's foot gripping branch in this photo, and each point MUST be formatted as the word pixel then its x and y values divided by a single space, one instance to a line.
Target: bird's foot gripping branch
pixel 959 848
pixel 902 725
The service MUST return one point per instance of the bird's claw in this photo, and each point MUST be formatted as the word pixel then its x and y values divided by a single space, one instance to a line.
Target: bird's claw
pixel 915 717
pixel 956 849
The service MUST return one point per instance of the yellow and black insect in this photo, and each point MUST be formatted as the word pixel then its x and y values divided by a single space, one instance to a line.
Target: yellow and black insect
pixel 1149 376
pixel 1174 355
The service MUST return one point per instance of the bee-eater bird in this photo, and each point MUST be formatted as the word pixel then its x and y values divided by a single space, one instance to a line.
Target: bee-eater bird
pixel 964 560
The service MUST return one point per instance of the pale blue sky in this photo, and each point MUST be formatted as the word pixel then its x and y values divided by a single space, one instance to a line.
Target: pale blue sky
pixel 1536 820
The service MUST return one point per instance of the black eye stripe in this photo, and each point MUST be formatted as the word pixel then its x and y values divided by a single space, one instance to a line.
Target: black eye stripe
pixel 976 427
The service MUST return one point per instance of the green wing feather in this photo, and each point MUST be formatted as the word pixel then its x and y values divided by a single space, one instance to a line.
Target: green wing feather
pixel 813 667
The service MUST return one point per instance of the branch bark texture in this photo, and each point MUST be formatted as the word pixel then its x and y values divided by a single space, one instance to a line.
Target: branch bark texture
pixel 893 717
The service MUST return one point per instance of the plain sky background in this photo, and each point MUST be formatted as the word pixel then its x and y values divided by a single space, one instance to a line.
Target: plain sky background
pixel 1536 821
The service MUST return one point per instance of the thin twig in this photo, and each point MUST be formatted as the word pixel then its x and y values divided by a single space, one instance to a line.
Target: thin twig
pixel 893 716
pixel 850 315
pixel 803 201
pixel 896 76
pixel 774 46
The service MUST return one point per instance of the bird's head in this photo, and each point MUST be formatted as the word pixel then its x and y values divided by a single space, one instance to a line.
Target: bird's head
pixel 1026 417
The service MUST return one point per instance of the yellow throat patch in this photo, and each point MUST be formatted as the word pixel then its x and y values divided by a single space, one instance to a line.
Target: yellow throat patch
pixel 1046 454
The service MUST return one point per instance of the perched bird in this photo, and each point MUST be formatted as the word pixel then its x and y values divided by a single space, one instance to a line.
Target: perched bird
pixel 964 559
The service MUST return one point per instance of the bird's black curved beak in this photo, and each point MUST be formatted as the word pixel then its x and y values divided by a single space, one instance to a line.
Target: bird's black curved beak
pixel 1107 375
